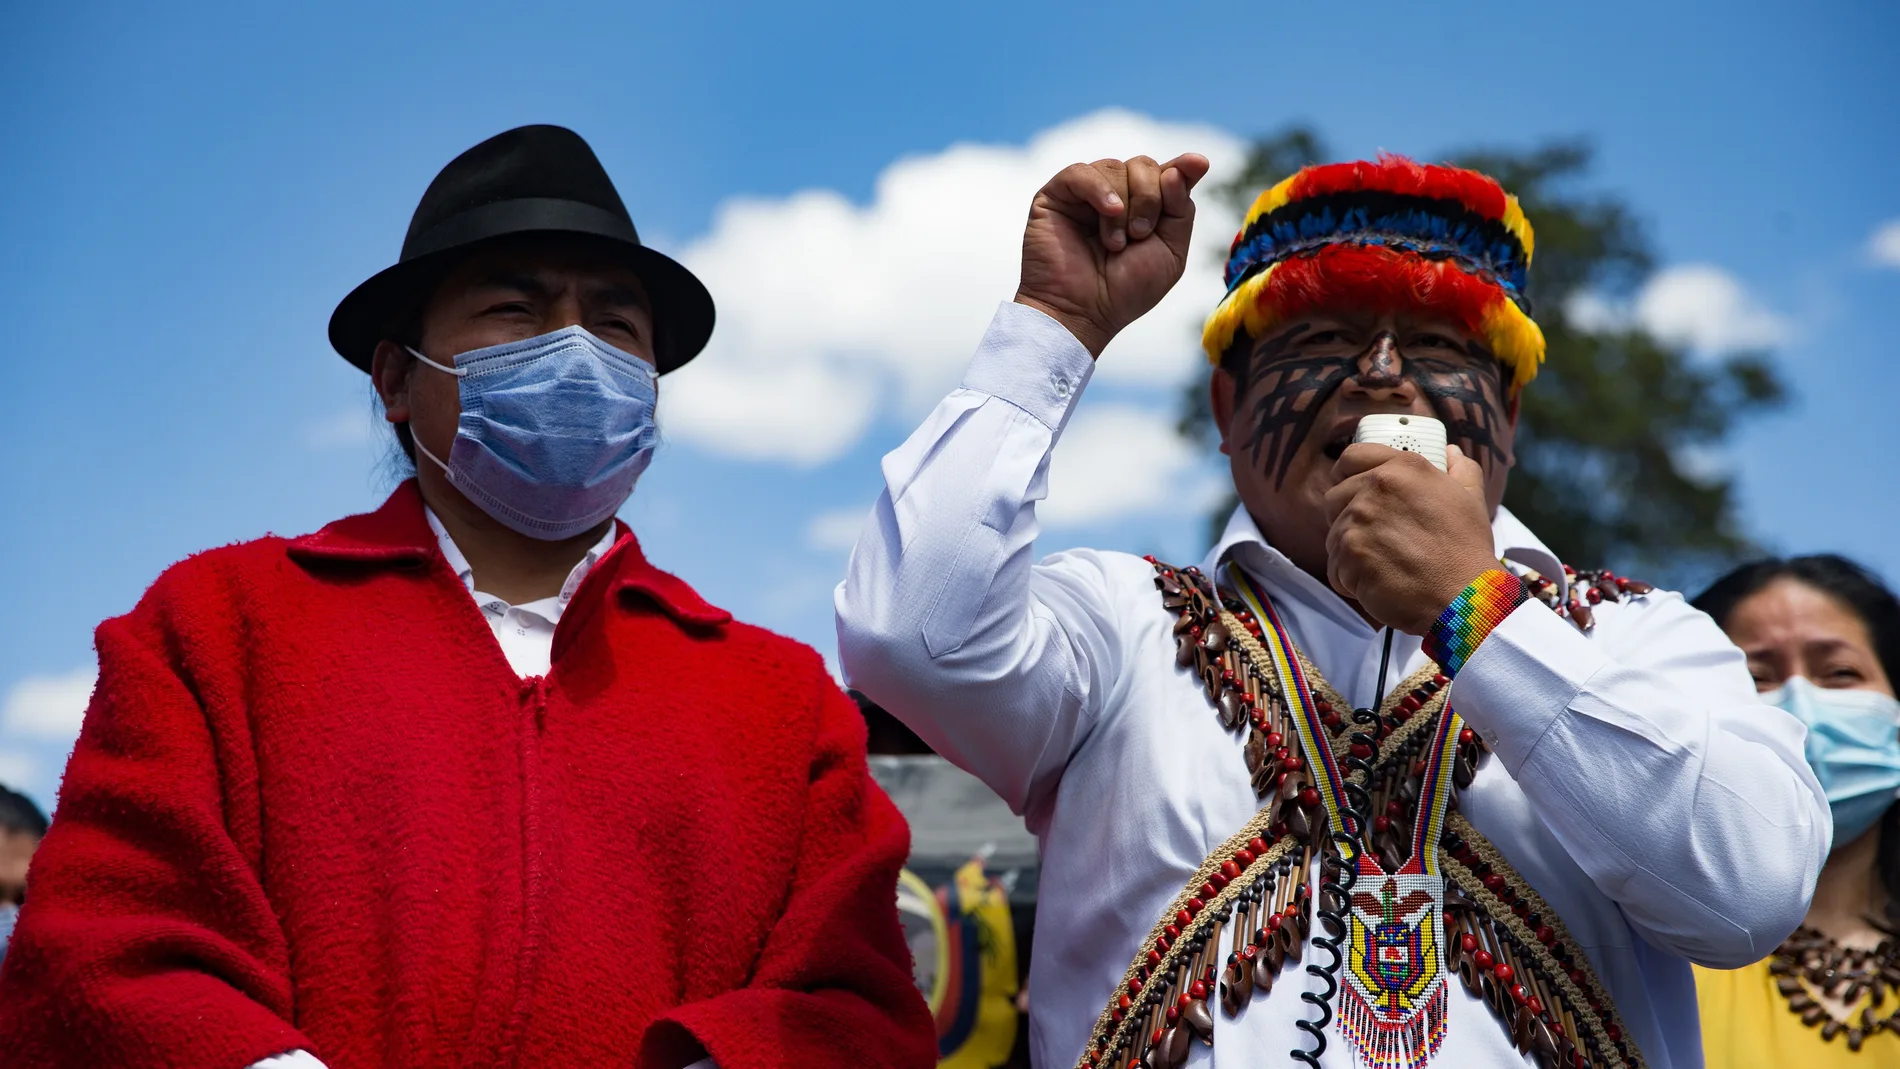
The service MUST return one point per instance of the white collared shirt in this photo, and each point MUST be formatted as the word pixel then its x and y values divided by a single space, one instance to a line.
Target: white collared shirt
pixel 526 631
pixel 1637 783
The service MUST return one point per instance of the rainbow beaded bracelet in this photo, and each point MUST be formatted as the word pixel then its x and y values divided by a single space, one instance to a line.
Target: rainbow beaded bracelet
pixel 1455 635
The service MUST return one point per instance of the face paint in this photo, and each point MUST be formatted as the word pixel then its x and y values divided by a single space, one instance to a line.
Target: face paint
pixel 1295 390
pixel 1382 363
pixel 1467 398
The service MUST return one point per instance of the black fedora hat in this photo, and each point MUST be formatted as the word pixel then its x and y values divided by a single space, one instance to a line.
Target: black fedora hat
pixel 532 179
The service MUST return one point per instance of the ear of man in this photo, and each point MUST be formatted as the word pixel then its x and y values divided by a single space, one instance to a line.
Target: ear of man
pixel 1223 395
pixel 391 368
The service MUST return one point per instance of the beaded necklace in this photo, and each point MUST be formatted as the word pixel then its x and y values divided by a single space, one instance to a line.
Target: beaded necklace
pixel 1248 903
pixel 1393 1010
pixel 1810 961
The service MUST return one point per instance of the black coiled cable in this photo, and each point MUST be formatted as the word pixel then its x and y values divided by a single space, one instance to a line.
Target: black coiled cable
pixel 1336 889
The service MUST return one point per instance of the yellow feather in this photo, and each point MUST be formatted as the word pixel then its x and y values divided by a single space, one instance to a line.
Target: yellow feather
pixel 1242 310
pixel 1516 339
pixel 1271 199
pixel 1517 223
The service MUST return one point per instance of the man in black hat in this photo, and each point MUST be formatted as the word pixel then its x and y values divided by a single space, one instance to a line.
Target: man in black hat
pixel 466 780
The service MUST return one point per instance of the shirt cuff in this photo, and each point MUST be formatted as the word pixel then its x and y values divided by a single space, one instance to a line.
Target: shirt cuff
pixel 296 1059
pixel 1031 361
pixel 1522 678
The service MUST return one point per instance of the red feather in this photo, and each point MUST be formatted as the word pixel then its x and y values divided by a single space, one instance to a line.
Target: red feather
pixel 1368 278
pixel 1397 174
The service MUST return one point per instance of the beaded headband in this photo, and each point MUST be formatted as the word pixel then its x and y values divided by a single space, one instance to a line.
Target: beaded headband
pixel 1391 233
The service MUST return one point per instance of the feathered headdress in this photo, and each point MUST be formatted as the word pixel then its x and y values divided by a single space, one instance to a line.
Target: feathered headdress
pixel 1383 236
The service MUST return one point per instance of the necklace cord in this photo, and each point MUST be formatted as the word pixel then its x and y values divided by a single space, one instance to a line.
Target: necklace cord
pixel 1385 661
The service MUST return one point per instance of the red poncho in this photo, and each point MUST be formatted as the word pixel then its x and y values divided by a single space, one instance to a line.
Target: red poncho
pixel 313 807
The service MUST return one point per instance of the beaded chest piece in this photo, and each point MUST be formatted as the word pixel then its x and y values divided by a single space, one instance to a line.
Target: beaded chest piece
pixel 1393 1009
pixel 1809 961
pixel 1408 892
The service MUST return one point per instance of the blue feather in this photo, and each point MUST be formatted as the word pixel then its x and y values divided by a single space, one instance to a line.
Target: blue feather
pixel 1432 228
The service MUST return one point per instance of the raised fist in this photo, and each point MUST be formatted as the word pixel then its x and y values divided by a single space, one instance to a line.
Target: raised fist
pixel 1106 241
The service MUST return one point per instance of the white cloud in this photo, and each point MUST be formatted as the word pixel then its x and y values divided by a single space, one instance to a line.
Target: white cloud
pixel 802 411
pixel 48 707
pixel 830 312
pixel 1114 460
pixel 1591 312
pixel 1883 246
pixel 342 429
pixel 1704 462
pixel 837 530
pixel 19 771
pixel 1704 307
pixel 1117 460
pixel 1697 306
pixel 39 721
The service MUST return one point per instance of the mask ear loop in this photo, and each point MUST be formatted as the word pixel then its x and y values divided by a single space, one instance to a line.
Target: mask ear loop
pixel 456 371
pixel 423 449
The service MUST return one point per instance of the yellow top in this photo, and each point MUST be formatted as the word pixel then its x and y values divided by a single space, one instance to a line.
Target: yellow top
pixel 1746 1024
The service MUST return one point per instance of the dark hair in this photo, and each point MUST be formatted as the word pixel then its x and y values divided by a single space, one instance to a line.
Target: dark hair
pixel 19 814
pixel 1861 591
pixel 406 441
pixel 884 733
pixel 1237 360
pixel 1849 583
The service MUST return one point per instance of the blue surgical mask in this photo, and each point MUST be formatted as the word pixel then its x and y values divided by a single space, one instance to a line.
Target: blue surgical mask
pixel 554 432
pixel 1853 747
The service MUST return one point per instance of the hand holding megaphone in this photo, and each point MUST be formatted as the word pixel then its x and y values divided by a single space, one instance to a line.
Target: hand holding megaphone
pixel 1404 539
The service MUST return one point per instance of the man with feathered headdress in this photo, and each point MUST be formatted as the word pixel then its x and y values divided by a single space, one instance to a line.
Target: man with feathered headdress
pixel 1267 811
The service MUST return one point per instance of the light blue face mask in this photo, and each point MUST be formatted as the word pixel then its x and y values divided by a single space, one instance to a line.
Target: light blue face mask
pixel 1853 747
pixel 554 432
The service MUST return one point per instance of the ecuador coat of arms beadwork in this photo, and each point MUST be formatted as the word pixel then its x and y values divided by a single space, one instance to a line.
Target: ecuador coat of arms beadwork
pixel 1393 1011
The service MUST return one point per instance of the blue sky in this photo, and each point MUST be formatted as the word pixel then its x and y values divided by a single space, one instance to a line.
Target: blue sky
pixel 186 193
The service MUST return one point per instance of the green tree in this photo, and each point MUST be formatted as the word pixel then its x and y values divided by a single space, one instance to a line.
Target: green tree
pixel 1614 434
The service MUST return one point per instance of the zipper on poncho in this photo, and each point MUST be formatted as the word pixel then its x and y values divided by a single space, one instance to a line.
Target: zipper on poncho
pixel 532 721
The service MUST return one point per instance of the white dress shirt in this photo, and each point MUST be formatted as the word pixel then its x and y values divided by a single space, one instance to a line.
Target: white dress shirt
pixel 526 631
pixel 526 635
pixel 1637 783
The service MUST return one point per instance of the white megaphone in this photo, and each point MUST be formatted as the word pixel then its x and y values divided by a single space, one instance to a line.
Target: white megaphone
pixel 1413 434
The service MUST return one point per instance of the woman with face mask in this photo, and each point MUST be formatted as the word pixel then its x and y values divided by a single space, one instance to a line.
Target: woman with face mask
pixel 1822 637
